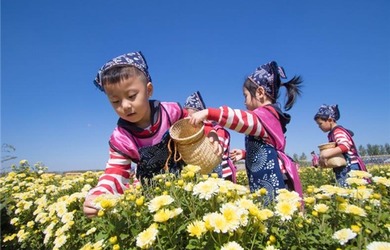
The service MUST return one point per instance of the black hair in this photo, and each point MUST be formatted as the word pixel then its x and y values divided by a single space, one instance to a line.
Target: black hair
pixel 293 89
pixel 120 73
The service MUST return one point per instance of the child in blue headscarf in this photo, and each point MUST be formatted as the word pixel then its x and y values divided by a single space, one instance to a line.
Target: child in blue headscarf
pixel 264 125
pixel 326 119
pixel 226 169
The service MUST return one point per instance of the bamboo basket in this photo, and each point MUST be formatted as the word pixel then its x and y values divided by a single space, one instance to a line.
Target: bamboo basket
pixel 193 146
pixel 335 161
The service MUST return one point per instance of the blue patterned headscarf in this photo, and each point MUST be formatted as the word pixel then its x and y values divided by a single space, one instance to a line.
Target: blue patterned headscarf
pixel 135 59
pixel 268 76
pixel 195 101
pixel 328 111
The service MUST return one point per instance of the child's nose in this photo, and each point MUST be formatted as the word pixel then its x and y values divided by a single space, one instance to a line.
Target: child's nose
pixel 126 104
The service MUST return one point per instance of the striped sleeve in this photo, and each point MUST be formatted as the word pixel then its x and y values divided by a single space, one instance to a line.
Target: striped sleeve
pixel 115 177
pixel 224 139
pixel 342 140
pixel 245 122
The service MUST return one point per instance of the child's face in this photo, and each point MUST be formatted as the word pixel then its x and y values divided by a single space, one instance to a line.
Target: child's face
pixel 324 125
pixel 251 103
pixel 130 100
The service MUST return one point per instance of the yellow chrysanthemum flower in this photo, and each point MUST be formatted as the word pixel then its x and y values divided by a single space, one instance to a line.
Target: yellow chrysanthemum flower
pixel 355 228
pixel 162 215
pixel 321 208
pixel 355 210
pixel 196 228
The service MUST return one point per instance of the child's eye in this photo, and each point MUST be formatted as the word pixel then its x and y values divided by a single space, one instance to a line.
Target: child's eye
pixel 132 96
pixel 114 101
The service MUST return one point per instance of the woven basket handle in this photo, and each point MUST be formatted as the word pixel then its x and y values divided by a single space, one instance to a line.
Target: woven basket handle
pixel 175 153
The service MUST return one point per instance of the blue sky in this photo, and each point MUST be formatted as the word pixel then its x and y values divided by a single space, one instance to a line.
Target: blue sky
pixel 51 50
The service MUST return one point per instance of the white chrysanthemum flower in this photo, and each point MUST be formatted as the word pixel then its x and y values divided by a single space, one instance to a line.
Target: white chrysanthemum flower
pixel 355 210
pixel 265 214
pixel 189 187
pixel 91 231
pixel 147 237
pixel 14 221
pixel 378 245
pixel 27 205
pixel 67 217
pixel 381 180
pixel 159 201
pixel 61 208
pixel 175 212
pixel 191 168
pixel 233 215
pixel 232 246
pixel 285 210
pixel 344 235
pixel 216 222
pixel 285 195
pixel 241 190
pixel 359 174
pixel 321 208
pixel 330 190
pixel 206 189
pixel 86 188
pixel 271 247
pixel 22 235
pixel 106 201
pixel 356 181
pixel 375 202
pixel 98 245
pixel 361 193
pixel 244 203
pixel 60 241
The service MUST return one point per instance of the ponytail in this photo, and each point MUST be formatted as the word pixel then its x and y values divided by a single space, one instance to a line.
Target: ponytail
pixel 293 91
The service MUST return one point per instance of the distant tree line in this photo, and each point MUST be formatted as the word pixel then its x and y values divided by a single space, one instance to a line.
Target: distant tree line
pixel 372 150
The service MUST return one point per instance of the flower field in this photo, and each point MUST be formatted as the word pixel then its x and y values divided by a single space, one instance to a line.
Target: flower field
pixel 44 211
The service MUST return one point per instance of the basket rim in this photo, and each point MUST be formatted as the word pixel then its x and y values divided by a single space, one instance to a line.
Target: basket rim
pixel 326 144
pixel 201 130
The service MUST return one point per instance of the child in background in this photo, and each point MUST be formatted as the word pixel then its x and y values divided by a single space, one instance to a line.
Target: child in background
pixel 326 118
pixel 314 159
pixel 264 124
pixel 226 169
pixel 142 132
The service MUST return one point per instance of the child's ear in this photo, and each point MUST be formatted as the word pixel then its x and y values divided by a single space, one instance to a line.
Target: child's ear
pixel 260 92
pixel 149 89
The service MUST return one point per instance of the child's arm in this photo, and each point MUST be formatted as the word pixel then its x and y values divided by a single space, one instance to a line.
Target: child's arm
pixel 114 179
pixel 245 122
pixel 342 140
pixel 237 154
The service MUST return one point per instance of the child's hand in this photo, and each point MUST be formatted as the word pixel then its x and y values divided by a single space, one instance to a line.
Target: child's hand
pixel 198 117
pixel 89 207
pixel 236 155
pixel 213 138
pixel 326 154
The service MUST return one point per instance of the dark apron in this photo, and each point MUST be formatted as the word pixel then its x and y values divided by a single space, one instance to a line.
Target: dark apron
pixel 262 167
pixel 153 159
